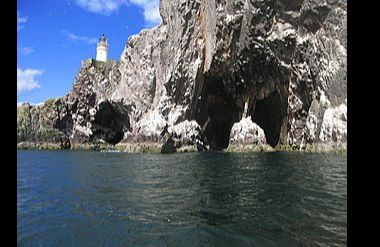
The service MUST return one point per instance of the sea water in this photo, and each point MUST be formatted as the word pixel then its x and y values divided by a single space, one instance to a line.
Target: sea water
pixel 84 198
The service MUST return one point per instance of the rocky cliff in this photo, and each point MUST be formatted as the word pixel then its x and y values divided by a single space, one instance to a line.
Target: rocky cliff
pixel 271 71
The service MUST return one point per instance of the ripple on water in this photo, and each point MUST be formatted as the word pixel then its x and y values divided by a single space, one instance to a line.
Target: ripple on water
pixel 209 199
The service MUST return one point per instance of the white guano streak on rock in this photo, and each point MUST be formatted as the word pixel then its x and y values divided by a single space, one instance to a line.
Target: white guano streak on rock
pixel 334 124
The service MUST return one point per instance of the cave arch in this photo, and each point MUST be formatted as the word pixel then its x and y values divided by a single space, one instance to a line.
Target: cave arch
pixel 269 114
pixel 220 108
pixel 110 122
pixel 217 113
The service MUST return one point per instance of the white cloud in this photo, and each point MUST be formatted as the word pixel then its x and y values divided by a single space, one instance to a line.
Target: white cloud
pixel 151 10
pixel 20 20
pixel 107 7
pixel 26 81
pixel 104 7
pixel 25 50
pixel 76 38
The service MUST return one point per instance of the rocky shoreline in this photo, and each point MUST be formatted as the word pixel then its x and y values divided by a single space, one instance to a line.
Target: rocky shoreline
pixel 338 148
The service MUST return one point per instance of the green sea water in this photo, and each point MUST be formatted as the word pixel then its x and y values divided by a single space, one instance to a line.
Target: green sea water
pixel 74 198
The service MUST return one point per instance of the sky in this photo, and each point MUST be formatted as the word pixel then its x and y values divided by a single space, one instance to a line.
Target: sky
pixel 54 36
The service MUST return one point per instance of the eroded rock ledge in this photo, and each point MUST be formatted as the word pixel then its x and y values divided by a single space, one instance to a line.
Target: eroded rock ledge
pixel 214 73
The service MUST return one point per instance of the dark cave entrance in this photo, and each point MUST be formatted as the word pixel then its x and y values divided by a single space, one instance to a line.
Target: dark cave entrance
pixel 217 114
pixel 220 109
pixel 269 113
pixel 222 117
pixel 110 123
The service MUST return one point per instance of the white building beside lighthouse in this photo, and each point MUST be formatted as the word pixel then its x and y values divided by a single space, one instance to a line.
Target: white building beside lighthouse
pixel 102 49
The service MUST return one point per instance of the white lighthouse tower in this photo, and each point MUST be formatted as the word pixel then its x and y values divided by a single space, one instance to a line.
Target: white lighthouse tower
pixel 102 49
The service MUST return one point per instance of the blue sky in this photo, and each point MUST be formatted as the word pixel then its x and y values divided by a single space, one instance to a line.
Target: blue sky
pixel 53 36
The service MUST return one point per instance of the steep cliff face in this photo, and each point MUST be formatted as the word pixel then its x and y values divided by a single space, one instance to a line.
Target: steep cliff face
pixel 318 83
pixel 86 115
pixel 281 64
pixel 285 59
pixel 39 124
pixel 94 115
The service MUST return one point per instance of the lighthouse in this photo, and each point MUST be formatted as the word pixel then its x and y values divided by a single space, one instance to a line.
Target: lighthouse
pixel 102 49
